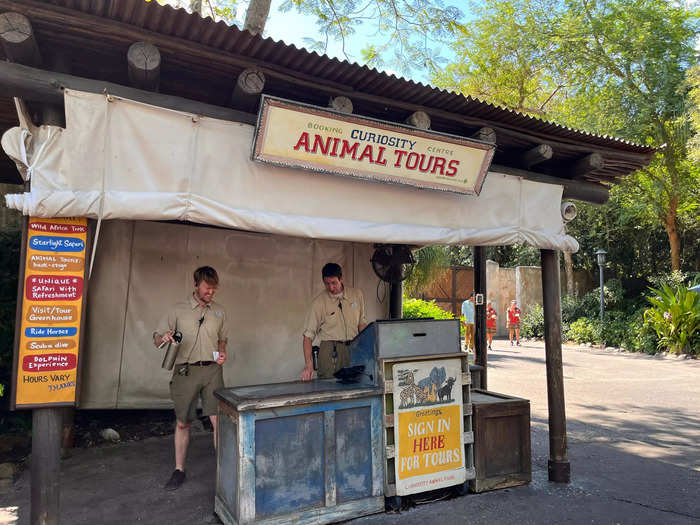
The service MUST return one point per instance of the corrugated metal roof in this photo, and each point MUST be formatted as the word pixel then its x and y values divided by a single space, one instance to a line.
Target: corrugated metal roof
pixel 169 21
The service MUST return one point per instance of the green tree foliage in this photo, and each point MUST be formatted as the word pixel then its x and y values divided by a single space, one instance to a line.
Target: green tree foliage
pixel 402 30
pixel 405 34
pixel 608 66
pixel 675 317
pixel 430 261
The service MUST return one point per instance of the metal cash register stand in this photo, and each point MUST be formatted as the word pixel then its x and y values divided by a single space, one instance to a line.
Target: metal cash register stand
pixel 325 451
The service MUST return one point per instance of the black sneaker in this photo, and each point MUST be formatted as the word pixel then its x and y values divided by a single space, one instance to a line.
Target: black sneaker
pixel 177 479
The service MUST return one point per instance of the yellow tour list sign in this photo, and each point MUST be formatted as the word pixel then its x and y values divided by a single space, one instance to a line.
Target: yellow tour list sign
pixel 308 137
pixel 47 357
pixel 429 451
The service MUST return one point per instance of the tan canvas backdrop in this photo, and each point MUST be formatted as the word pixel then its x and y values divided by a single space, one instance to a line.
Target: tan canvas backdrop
pixel 267 281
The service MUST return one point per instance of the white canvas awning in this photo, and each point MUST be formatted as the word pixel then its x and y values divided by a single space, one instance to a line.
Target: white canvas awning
pixel 120 159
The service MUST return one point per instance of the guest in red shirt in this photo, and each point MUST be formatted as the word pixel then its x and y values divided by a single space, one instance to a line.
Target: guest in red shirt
pixel 491 317
pixel 513 323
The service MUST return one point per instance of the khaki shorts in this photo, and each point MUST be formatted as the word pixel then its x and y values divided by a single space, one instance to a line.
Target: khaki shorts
pixel 330 361
pixel 201 381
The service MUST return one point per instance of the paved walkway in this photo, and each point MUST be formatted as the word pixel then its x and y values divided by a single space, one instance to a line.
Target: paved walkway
pixel 634 447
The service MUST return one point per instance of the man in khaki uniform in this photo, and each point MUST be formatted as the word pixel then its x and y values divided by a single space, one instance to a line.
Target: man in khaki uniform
pixel 336 316
pixel 197 371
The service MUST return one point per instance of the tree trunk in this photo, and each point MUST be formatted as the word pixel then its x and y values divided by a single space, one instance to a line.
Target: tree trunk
pixel 256 16
pixel 672 232
pixel 196 6
pixel 569 270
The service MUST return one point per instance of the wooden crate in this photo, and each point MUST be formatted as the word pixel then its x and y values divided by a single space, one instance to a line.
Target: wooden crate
pixel 502 454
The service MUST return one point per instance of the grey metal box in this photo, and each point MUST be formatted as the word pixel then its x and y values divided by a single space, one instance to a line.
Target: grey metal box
pixel 417 337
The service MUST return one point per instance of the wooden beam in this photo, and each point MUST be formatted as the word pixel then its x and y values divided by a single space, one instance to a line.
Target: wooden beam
pixel 47 86
pixel 341 104
pixel 536 155
pixel 419 119
pixel 63 21
pixel 573 189
pixel 249 86
pixel 485 134
pixel 558 465
pixel 18 40
pixel 143 60
pixel 587 164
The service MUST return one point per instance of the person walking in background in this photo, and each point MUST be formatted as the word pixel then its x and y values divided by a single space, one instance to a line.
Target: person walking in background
pixel 491 317
pixel 513 322
pixel 468 314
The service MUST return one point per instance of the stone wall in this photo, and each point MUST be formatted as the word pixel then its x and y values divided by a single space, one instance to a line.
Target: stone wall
pixel 522 283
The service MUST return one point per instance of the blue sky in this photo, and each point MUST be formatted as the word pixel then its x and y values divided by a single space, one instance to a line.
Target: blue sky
pixel 292 28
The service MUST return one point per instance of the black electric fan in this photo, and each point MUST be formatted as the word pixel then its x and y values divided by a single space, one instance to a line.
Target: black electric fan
pixel 392 263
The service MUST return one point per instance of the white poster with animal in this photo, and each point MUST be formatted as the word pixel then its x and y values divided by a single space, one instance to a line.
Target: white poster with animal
pixel 428 425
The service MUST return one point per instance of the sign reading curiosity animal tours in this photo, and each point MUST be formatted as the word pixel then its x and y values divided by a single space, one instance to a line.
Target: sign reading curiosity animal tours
pixel 429 449
pixel 316 139
pixel 47 357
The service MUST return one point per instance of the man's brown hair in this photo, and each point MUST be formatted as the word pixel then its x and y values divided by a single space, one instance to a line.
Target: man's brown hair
pixel 207 274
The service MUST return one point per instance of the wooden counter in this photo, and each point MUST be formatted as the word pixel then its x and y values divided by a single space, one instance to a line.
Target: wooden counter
pixel 299 452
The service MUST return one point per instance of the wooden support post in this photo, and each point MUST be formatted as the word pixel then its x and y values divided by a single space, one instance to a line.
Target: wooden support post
pixel 419 119
pixel 143 61
pixel 45 465
pixel 485 135
pixel 536 155
pixel 480 350
pixel 341 104
pixel 249 86
pixel 18 40
pixel 558 465
pixel 587 164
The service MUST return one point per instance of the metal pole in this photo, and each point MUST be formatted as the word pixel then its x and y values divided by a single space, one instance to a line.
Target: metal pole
pixel 602 295
pixel 480 350
pixel 558 465
pixel 396 301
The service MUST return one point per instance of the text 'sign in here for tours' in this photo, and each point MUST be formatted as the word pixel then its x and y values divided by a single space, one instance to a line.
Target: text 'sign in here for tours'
pixel 428 424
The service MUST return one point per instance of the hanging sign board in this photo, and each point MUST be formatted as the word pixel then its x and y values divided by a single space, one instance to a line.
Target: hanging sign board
pixel 300 136
pixel 47 358
pixel 428 424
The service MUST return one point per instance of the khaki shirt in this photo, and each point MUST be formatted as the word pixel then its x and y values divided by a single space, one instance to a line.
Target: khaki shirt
pixel 202 340
pixel 328 322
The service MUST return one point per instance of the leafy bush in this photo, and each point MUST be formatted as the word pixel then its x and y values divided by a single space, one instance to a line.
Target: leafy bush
pixel 532 323
pixel 613 331
pixel 674 279
pixel 675 317
pixel 581 331
pixel 640 337
pixel 418 308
